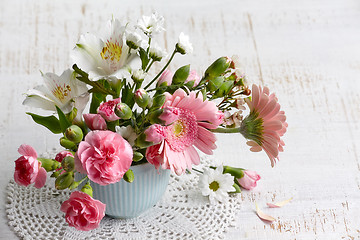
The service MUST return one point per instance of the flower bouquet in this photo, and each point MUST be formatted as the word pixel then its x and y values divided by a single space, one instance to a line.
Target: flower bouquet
pixel 113 115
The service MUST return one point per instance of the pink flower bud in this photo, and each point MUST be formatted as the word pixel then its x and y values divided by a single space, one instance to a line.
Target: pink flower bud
pixel 165 78
pixel 28 169
pixel 82 211
pixel 95 121
pixel 193 76
pixel 155 133
pixel 107 110
pixel 169 115
pixel 248 181
pixel 219 118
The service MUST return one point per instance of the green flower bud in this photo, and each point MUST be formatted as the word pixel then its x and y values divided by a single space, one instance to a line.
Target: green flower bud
pixel 235 172
pixel 218 67
pixel 74 133
pixel 71 115
pixel 224 89
pixel 74 185
pixel 87 189
pixel 142 98
pixel 66 143
pixel 181 74
pixel 55 174
pixel 137 156
pixel 68 163
pixel 123 111
pixel 64 180
pixel 129 176
pixel 215 83
pixel 49 164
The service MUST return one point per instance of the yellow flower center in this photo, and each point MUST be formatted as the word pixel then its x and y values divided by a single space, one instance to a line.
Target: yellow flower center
pixel 112 51
pixel 177 128
pixel 61 92
pixel 214 186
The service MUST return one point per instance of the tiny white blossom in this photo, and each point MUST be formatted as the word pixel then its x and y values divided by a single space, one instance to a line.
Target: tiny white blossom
pixel 156 52
pixel 151 24
pixel 133 40
pixel 216 185
pixel 184 45
pixel 128 133
pixel 138 74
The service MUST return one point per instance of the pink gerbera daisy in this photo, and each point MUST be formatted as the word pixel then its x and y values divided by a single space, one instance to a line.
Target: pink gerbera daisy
pixel 265 124
pixel 195 116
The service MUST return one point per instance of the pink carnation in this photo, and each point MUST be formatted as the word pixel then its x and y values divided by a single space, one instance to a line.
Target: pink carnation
pixel 248 181
pixel 82 211
pixel 105 156
pixel 176 151
pixel 193 76
pixel 95 121
pixel 155 133
pixel 28 169
pixel 61 155
pixel 107 110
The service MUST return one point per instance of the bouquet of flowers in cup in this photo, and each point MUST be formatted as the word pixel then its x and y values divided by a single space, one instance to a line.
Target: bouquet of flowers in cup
pixel 133 117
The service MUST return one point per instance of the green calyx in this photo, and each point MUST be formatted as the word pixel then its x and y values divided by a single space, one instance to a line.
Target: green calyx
pixel 252 128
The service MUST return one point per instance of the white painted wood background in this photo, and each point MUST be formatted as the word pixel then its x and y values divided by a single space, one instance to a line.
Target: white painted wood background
pixel 308 52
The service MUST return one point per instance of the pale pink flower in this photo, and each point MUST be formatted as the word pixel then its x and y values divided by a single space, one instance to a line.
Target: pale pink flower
pixel 28 169
pixel 82 211
pixel 95 121
pixel 176 151
pixel 248 181
pixel 107 110
pixel 193 76
pixel 105 156
pixel 166 78
pixel 265 124
pixel 155 133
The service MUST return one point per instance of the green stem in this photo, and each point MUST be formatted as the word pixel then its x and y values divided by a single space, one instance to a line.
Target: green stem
pixel 197 170
pixel 162 70
pixel 147 69
pixel 147 50
pixel 226 130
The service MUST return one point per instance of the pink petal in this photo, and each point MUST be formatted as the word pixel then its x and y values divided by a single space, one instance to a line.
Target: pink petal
pixel 27 150
pixel 279 204
pixel 40 178
pixel 262 215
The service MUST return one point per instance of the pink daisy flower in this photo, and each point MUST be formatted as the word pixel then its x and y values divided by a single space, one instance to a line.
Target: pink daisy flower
pixel 265 124
pixel 195 116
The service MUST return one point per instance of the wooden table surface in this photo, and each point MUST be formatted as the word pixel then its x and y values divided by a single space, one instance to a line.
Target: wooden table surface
pixel 308 52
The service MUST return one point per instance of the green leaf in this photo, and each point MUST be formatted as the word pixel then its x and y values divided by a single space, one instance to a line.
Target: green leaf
pixel 50 122
pixel 64 122
pixel 181 74
pixel 96 100
pixel 128 96
pixel 144 58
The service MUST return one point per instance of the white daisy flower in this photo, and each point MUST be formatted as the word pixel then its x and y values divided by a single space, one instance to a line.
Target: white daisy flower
pixel 134 41
pixel 151 24
pixel 138 75
pixel 106 57
pixel 127 132
pixel 156 52
pixel 216 185
pixel 183 45
pixel 64 91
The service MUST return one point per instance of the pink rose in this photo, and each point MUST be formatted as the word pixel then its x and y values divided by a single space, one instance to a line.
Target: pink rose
pixel 248 181
pixel 166 78
pixel 105 156
pixel 28 169
pixel 155 133
pixel 95 121
pixel 82 211
pixel 107 110
pixel 193 76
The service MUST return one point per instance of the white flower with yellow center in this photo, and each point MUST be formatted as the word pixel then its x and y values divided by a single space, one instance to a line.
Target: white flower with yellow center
pixel 216 185
pixel 64 91
pixel 108 57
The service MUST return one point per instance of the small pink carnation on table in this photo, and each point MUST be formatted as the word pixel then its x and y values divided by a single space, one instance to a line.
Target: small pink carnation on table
pixel 95 121
pixel 249 180
pixel 105 156
pixel 82 211
pixel 107 110
pixel 28 169
pixel 177 151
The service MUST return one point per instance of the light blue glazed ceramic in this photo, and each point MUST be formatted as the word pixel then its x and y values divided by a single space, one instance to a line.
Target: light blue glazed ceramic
pixel 129 200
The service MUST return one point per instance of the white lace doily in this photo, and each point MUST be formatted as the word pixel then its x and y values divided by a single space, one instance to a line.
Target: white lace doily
pixel 182 213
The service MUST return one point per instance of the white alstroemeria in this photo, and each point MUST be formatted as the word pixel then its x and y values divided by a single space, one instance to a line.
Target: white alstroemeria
pixel 156 52
pixel 128 133
pixel 64 91
pixel 151 24
pixel 184 45
pixel 108 57
pixel 216 185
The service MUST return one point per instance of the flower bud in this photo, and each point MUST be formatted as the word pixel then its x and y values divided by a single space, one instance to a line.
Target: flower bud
pixel 248 181
pixel 87 189
pixel 129 176
pixel 74 133
pixel 183 45
pixel 95 121
pixel 123 111
pixel 74 185
pixel 64 180
pixel 137 156
pixel 138 76
pixel 218 67
pixel 235 172
pixel 215 83
pixel 133 40
pixel 49 164
pixel 68 163
pixel 224 89
pixel 66 143
pixel 55 174
pixel 156 53
pixel 142 98
pixel 193 78
pixel 165 78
